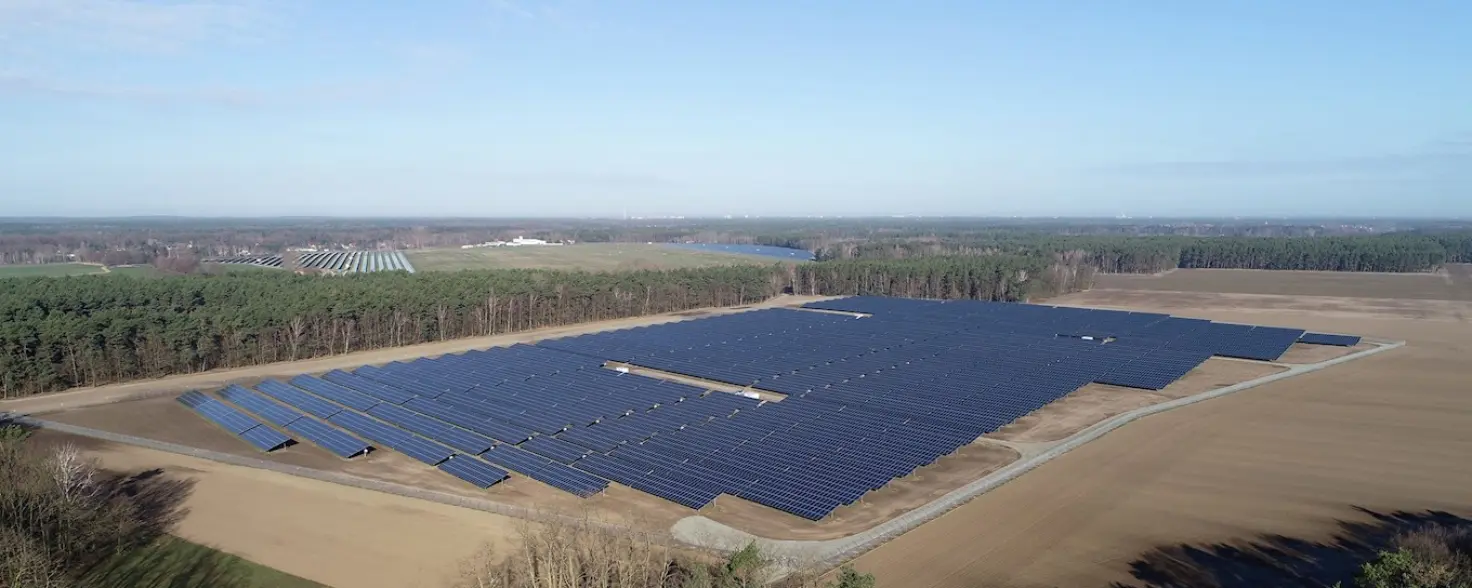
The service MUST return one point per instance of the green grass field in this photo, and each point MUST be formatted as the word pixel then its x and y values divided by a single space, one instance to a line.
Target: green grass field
pixel 175 563
pixel 49 270
pixel 137 271
pixel 590 256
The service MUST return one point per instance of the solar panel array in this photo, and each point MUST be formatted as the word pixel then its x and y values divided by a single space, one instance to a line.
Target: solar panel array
pixel 1328 339
pixel 330 438
pixel 238 423
pixel 356 261
pixel 270 261
pixel 867 399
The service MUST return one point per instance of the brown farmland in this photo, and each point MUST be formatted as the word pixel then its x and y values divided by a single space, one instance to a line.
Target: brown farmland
pixel 1452 283
pixel 1297 457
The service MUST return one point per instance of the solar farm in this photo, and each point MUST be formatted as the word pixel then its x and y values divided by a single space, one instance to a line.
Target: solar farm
pixel 344 262
pixel 802 410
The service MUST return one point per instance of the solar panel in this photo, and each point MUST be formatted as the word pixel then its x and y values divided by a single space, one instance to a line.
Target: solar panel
pixel 345 396
pixel 396 439
pixel 260 406
pixel 1328 339
pixel 328 437
pixel 473 470
pixel 298 398
pixel 433 429
pixel 229 418
pixel 234 421
pixel 546 471
pixel 382 391
pixel 193 398
pixel 265 438
pixel 555 449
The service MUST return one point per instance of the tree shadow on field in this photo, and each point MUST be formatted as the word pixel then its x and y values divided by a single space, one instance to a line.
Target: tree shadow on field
pixel 1277 560
pixel 171 563
pixel 151 557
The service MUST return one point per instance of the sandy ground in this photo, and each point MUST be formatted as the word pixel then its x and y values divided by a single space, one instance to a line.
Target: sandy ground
pixel 324 532
pixel 895 498
pixel 1301 353
pixel 1449 284
pixel 1096 403
pixel 1295 457
pixel 80 397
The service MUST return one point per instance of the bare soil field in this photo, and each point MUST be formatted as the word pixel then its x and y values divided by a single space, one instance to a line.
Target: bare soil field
pixel 1301 353
pixel 1445 285
pixel 1096 403
pixel 332 534
pixel 81 397
pixel 1299 457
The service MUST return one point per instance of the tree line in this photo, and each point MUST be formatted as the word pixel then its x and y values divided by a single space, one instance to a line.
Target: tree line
pixel 994 277
pixel 144 240
pixel 580 554
pixel 58 333
pixel 1390 252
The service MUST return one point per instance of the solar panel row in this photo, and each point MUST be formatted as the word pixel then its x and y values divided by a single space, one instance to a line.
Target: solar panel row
pixel 473 470
pixel 397 439
pixel 238 423
pixel 333 440
pixel 1329 339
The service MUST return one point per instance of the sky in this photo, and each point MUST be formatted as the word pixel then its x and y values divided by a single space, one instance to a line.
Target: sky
pixel 726 107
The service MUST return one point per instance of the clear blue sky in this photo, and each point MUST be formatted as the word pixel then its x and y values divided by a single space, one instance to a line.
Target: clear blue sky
pixel 517 107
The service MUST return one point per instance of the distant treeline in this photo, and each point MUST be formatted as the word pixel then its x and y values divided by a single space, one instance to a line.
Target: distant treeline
pixel 994 277
pixel 57 333
pixel 150 240
pixel 1393 252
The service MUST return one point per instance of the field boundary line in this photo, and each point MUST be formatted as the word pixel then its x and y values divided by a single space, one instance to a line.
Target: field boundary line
pixel 703 532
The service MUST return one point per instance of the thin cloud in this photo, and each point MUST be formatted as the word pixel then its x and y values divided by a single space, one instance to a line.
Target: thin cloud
pixel 512 8
pixel 230 96
pixel 129 24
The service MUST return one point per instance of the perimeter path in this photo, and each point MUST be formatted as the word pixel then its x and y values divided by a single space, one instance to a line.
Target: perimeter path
pixel 701 531
pixel 84 397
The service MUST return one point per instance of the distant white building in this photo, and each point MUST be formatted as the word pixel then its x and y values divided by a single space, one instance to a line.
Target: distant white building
pixel 517 242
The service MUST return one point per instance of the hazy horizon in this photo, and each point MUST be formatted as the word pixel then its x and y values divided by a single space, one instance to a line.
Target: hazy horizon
pixel 1291 218
pixel 577 109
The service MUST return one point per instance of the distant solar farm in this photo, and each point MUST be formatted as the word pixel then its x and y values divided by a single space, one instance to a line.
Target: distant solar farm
pixel 345 262
pixel 871 389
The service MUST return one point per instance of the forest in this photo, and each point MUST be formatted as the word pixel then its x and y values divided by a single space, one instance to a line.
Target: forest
pixel 1390 252
pixel 58 333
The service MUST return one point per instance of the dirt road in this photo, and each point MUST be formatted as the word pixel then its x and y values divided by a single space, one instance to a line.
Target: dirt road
pixel 1295 457
pixel 81 397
